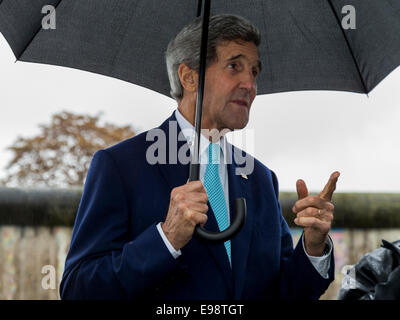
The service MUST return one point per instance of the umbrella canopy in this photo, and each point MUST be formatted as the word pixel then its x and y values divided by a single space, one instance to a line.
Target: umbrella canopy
pixel 303 46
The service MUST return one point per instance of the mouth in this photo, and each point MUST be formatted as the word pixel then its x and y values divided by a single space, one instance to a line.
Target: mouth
pixel 241 102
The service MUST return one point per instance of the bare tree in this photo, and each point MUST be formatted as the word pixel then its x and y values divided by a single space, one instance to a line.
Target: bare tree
pixel 60 155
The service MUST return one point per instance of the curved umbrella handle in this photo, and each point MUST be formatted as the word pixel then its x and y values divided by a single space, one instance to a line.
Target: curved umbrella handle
pixel 234 228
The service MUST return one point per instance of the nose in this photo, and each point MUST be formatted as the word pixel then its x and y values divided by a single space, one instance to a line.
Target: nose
pixel 248 81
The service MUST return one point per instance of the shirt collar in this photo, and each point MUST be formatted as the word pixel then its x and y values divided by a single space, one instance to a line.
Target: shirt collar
pixel 188 131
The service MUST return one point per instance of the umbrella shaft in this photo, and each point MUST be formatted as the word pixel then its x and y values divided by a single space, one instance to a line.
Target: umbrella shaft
pixel 194 173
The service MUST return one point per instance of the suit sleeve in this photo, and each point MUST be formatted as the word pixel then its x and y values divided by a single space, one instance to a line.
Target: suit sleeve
pixel 102 262
pixel 299 280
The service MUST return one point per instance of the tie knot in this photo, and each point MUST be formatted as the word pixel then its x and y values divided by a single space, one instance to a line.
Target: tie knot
pixel 214 153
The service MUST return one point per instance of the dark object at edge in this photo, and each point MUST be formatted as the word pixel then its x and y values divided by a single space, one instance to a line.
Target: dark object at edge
pixel 376 276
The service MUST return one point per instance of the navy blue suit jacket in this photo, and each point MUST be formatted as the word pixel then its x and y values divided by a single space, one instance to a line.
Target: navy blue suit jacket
pixel 116 251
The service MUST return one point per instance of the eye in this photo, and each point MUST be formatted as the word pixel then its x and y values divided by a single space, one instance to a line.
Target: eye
pixel 232 65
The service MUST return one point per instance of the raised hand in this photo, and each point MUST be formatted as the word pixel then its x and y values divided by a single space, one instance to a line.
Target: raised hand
pixel 315 214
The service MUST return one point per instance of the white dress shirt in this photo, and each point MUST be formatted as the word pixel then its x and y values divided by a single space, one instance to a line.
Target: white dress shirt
pixel 321 264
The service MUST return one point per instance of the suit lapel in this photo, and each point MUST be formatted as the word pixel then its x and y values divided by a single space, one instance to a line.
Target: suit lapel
pixel 239 188
pixel 177 174
pixel 174 172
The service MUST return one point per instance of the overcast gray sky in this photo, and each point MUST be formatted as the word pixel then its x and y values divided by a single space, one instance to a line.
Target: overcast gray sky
pixel 304 135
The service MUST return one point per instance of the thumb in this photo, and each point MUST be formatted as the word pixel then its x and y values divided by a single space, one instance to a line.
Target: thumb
pixel 302 190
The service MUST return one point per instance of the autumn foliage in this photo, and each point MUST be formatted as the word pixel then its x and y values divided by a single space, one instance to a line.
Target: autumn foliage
pixel 60 155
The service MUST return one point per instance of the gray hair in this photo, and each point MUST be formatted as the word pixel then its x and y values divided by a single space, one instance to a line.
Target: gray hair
pixel 185 47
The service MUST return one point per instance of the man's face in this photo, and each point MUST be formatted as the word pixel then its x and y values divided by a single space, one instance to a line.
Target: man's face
pixel 230 85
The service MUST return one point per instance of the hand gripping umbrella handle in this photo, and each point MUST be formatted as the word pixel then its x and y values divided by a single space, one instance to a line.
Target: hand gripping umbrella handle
pixel 234 228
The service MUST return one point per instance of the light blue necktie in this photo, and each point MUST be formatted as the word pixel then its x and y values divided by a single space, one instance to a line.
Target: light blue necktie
pixel 215 192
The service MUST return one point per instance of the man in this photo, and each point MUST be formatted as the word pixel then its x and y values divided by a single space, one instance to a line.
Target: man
pixel 133 234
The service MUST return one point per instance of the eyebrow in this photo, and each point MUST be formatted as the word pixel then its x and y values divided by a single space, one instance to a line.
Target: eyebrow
pixel 242 56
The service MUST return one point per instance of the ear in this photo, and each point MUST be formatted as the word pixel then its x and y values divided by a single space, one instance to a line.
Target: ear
pixel 188 77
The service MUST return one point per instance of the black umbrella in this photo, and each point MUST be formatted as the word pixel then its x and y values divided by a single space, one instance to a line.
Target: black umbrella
pixel 303 46
pixel 306 44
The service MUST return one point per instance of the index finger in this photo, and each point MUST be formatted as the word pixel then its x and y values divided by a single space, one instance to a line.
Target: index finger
pixel 330 187
pixel 195 185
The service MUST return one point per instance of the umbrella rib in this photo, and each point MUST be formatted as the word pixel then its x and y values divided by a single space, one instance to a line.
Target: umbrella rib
pixel 112 65
pixel 348 46
pixel 267 46
pixel 199 6
pixel 394 9
pixel 33 37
